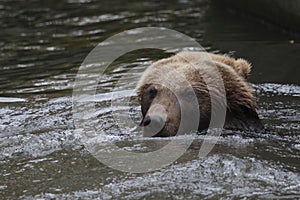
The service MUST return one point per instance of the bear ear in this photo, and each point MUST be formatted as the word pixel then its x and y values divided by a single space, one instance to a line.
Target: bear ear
pixel 241 66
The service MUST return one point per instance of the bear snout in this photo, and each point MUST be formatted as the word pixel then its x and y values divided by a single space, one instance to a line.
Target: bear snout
pixel 154 121
pixel 153 125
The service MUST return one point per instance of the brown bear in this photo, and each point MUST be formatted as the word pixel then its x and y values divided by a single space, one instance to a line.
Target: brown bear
pixel 175 88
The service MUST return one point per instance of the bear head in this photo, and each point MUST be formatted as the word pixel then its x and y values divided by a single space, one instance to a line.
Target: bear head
pixel 177 93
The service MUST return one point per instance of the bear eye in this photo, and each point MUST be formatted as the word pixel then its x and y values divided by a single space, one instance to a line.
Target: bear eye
pixel 152 93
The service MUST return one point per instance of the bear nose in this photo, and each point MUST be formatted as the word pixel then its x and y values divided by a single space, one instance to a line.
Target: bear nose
pixel 154 119
pixel 153 124
pixel 146 121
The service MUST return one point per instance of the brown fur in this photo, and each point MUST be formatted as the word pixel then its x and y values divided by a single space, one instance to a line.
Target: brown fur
pixel 170 76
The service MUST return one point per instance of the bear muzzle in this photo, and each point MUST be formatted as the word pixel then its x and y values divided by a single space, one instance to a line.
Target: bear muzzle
pixel 153 125
pixel 154 122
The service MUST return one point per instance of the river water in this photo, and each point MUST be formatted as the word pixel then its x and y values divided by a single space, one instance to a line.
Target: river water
pixel 43 43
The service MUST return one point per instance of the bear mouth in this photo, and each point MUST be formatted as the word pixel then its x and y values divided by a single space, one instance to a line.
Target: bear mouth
pixel 161 133
pixel 166 130
pixel 152 130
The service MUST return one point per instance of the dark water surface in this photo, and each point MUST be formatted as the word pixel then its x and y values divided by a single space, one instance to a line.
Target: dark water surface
pixel 42 46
